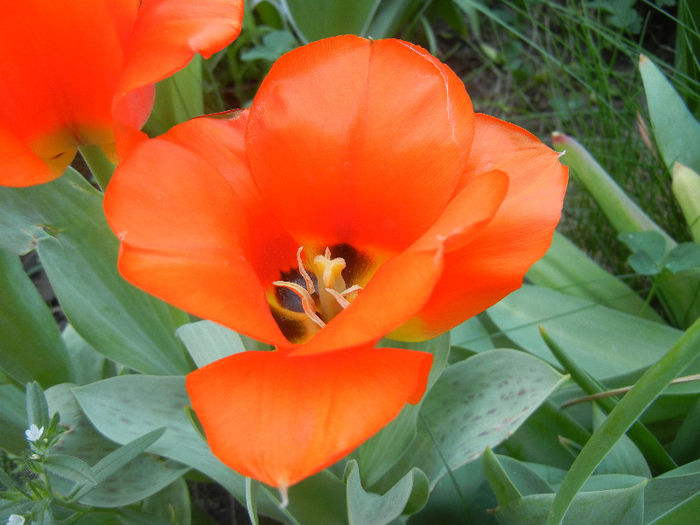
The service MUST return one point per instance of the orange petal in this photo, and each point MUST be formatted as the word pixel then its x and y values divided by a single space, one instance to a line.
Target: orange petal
pixel 359 142
pixel 59 65
pixel 279 419
pixel 494 260
pixel 185 233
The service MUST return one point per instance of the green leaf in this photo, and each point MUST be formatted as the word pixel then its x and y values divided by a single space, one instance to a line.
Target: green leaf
pixel 607 507
pixel 649 386
pixel 624 457
pixel 251 500
pixel 207 341
pixel 621 211
pixel 274 45
pixel 603 342
pixel 686 189
pixel 367 508
pixel 676 131
pixel 381 452
pixel 651 243
pixel 315 20
pixel 70 468
pixel 13 419
pixel 670 495
pixel 390 17
pixel 476 404
pixel 30 344
pixel 501 485
pixel 64 220
pixel 170 505
pixel 87 364
pixel 116 460
pixel 569 270
pixel 178 98
pixel 130 482
pixel 687 441
pixel 683 257
pixel 37 407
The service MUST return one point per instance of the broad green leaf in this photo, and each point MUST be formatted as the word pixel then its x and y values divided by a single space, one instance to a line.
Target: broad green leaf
pixel 683 257
pixel 676 131
pixel 274 45
pixel 367 508
pixel 315 20
pixel 381 452
pixel 13 419
pixel 30 344
pixel 477 403
pixel 684 513
pixel 621 211
pixel 650 242
pixel 472 335
pixel 64 221
pixel 678 489
pixel 606 507
pixel 569 270
pixel 178 98
pixel 602 341
pixel 686 188
pixel 538 440
pixel 510 479
pixel 87 364
pixel 627 411
pixel 126 407
pixel 687 442
pixel 390 17
pixel 170 505
pixel 207 341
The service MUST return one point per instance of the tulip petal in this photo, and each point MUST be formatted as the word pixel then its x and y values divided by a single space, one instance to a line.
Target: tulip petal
pixel 279 419
pixel 494 261
pixel 184 229
pixel 168 33
pixel 59 65
pixel 359 142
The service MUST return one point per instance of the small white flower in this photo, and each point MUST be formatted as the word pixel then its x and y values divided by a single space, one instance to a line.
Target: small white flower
pixel 15 519
pixel 33 433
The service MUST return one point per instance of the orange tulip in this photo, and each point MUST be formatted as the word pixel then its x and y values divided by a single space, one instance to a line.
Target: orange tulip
pixel 359 196
pixel 82 72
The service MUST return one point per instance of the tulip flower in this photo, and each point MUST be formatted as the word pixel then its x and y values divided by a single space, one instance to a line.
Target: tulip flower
pixel 359 196
pixel 83 72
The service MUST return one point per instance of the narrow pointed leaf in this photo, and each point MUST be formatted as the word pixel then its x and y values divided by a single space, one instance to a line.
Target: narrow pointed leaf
pixel 207 341
pixel 686 189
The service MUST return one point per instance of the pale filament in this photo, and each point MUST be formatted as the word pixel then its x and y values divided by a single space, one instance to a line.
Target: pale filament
pixel 329 270
pixel 307 302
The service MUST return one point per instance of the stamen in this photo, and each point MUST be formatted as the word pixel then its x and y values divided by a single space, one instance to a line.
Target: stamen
pixel 342 301
pixel 307 302
pixel 304 273
pixel 340 296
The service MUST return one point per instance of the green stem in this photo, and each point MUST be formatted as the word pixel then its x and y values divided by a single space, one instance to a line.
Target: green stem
pixel 100 166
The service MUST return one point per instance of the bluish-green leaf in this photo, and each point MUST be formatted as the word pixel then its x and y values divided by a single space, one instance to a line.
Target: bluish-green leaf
pixel 604 342
pixel 316 20
pixel 70 468
pixel 65 222
pixel 30 345
pixel 683 257
pixel 567 269
pixel 13 419
pixel 676 131
pixel 367 508
pixel 606 507
pixel 477 403
pixel 207 341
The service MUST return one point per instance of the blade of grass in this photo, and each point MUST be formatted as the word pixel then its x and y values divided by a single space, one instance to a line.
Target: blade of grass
pixel 649 386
